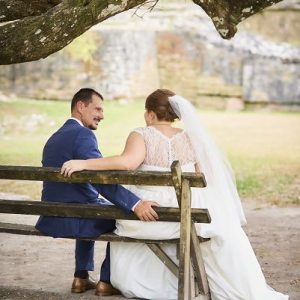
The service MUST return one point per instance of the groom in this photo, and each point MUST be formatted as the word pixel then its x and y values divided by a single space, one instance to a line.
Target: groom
pixel 75 140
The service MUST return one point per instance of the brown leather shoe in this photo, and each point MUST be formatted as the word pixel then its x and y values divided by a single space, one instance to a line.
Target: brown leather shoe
pixel 106 289
pixel 80 285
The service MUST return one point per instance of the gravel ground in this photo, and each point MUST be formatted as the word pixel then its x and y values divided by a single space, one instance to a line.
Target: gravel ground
pixel 42 267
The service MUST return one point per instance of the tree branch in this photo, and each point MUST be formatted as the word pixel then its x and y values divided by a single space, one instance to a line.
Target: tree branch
pixel 37 37
pixel 226 14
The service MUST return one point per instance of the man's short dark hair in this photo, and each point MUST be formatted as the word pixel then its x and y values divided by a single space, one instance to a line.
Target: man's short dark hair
pixel 85 95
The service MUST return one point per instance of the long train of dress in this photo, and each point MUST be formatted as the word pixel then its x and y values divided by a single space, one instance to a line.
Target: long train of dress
pixel 231 265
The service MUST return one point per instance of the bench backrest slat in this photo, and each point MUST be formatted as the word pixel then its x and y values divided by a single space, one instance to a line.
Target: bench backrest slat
pixel 104 177
pixel 58 209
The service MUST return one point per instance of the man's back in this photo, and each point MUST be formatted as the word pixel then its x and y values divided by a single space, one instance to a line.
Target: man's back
pixel 64 145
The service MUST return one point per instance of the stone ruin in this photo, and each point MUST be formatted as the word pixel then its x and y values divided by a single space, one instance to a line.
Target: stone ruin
pixel 176 47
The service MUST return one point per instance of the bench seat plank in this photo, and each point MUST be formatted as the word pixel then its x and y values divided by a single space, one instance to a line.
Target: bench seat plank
pixel 109 237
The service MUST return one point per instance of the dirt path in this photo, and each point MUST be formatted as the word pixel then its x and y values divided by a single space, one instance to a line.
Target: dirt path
pixel 42 268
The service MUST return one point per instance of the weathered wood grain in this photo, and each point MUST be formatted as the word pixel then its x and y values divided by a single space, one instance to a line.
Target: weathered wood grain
pixel 198 264
pixel 24 229
pixel 184 250
pixel 95 177
pixel 176 177
pixel 58 209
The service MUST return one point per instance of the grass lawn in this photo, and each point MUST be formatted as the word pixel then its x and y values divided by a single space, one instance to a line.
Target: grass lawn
pixel 263 147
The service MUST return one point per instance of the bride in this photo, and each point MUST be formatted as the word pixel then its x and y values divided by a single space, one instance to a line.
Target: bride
pixel 232 269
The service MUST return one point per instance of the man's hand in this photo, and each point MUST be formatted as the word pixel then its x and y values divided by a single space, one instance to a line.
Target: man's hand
pixel 72 166
pixel 145 212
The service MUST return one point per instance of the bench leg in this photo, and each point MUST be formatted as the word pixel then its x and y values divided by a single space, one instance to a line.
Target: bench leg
pixel 198 263
pixel 193 286
pixel 184 250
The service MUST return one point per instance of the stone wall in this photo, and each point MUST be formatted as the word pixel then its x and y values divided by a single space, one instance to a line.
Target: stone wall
pixel 275 81
pixel 112 64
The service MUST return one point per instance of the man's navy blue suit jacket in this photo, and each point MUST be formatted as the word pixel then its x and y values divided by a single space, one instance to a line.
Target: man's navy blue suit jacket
pixel 73 141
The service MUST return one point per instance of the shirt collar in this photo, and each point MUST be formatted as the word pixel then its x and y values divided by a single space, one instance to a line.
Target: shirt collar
pixel 80 123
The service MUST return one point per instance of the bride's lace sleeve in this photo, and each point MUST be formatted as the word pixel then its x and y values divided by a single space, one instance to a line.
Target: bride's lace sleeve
pixel 139 130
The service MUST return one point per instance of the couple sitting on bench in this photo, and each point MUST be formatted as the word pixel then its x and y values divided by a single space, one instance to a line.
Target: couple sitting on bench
pixel 131 268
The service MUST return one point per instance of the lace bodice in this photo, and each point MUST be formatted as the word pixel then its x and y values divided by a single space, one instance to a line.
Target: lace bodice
pixel 162 150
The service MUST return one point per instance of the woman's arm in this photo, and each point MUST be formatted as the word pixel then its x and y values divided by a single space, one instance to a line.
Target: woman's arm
pixel 133 155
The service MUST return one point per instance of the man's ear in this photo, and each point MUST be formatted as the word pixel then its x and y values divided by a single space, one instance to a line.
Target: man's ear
pixel 79 106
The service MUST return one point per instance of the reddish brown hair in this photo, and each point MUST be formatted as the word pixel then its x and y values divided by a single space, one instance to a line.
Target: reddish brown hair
pixel 158 102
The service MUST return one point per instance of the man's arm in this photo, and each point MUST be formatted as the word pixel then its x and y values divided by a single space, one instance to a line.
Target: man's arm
pixel 86 147
pixel 131 158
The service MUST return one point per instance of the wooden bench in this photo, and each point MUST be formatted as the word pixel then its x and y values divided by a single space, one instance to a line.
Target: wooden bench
pixel 192 280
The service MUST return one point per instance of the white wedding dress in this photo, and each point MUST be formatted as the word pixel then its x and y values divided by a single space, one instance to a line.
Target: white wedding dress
pixel 231 266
